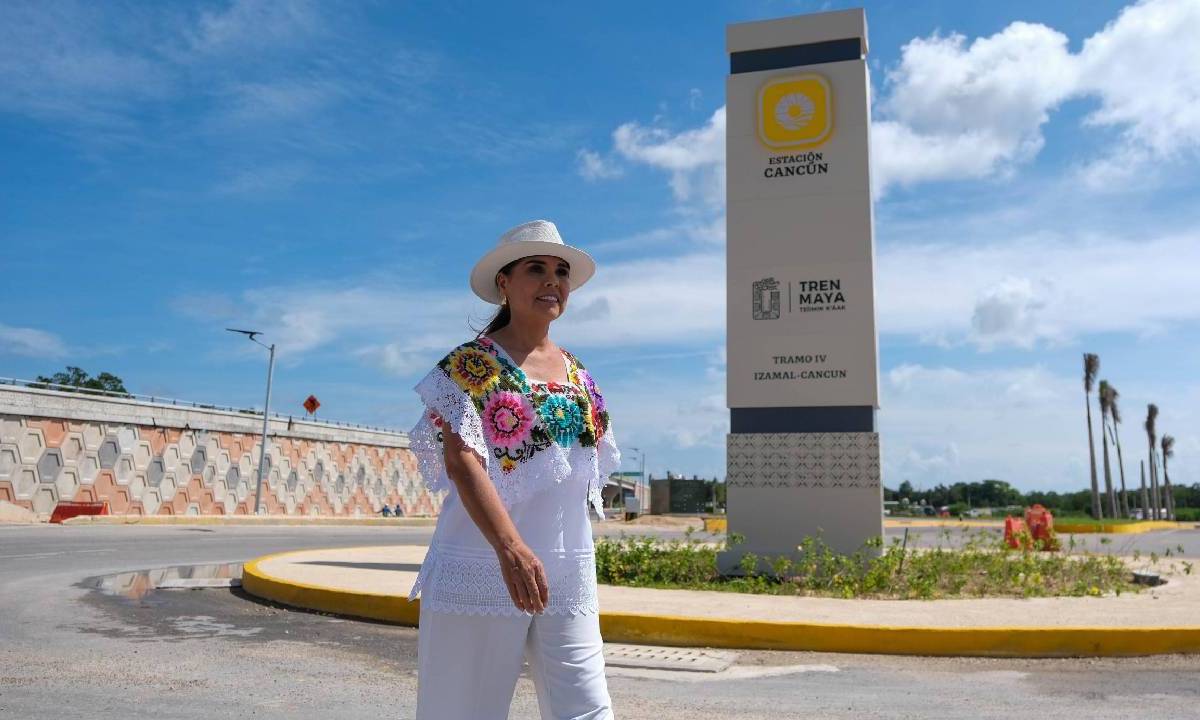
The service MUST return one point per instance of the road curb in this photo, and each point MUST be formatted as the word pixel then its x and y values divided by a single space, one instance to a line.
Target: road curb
pixel 763 635
pixel 393 609
pixel 1121 528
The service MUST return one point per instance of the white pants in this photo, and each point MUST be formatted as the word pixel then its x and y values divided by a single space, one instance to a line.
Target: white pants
pixel 468 665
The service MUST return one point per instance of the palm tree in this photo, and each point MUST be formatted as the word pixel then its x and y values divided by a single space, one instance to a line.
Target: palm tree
pixel 1151 435
pixel 1114 412
pixel 1168 450
pixel 1091 366
pixel 1105 394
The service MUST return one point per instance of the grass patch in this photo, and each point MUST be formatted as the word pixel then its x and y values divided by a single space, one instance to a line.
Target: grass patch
pixel 1089 520
pixel 981 566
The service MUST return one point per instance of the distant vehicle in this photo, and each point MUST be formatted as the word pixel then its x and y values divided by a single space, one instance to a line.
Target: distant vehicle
pixel 928 510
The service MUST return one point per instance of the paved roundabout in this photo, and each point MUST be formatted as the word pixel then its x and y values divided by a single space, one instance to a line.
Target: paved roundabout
pixel 373 583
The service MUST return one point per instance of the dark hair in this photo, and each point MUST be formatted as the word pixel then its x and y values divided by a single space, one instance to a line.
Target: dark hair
pixel 503 316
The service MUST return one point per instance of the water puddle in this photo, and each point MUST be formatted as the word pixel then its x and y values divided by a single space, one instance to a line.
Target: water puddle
pixel 138 585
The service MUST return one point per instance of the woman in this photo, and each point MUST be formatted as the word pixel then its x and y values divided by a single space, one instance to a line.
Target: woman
pixel 516 431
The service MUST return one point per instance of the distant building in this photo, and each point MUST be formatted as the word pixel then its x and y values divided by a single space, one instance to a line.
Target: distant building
pixel 674 494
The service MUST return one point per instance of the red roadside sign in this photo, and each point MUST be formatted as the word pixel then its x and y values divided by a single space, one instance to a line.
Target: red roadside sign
pixel 311 404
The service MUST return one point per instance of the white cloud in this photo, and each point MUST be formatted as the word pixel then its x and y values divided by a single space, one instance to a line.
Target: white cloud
pixel 1117 170
pixel 1009 313
pixel 397 358
pixel 959 110
pixel 252 25
pixel 673 405
pixel 682 236
pixel 641 302
pixel 89 64
pixel 594 166
pixel 651 301
pixel 31 342
pixel 953 110
pixel 61 61
pixel 695 158
pixel 373 321
pixel 1145 70
pixel 272 102
pixel 247 81
pixel 943 425
pixel 1037 288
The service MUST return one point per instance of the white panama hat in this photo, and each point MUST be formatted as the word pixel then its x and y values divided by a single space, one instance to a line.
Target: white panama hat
pixel 539 237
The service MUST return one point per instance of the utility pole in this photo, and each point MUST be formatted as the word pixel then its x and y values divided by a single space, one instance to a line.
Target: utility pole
pixel 1145 495
pixel 262 456
pixel 643 493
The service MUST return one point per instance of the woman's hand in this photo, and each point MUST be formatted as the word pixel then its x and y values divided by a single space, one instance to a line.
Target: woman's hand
pixel 524 576
pixel 523 572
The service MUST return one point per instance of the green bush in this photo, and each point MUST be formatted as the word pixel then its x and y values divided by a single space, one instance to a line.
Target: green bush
pixel 981 567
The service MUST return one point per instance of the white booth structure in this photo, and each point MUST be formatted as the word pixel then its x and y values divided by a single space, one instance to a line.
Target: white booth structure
pixel 803 448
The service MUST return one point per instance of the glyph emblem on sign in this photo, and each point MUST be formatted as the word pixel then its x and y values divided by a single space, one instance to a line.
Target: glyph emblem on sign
pixel 795 111
pixel 766 299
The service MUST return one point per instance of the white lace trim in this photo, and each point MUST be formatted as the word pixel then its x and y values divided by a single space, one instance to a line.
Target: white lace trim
pixel 607 462
pixel 468 582
pixel 441 395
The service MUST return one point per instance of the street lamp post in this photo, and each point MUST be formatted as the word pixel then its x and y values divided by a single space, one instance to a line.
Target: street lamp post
pixel 643 485
pixel 262 457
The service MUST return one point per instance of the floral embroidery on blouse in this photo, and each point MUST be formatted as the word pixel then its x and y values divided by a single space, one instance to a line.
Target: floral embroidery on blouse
pixel 508 419
pixel 522 418
pixel 563 418
pixel 473 370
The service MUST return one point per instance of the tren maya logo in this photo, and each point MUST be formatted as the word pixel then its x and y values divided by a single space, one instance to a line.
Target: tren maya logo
pixel 795 115
pixel 795 111
pixel 804 296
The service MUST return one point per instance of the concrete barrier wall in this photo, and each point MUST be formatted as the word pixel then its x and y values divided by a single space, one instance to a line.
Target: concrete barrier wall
pixel 148 458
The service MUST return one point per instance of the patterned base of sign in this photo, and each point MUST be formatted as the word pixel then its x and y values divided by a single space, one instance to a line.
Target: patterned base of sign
pixel 803 460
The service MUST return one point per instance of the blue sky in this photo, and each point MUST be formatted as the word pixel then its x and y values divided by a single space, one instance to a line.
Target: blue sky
pixel 327 173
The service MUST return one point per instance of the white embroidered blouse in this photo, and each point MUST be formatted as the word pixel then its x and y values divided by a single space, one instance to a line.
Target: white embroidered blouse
pixel 547 447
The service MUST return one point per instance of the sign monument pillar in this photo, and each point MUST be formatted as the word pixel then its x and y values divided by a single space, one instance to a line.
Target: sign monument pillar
pixel 803 450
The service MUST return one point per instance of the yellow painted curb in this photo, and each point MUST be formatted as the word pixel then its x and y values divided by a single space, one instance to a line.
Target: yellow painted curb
pixel 394 609
pixel 898 640
pixel 767 635
pixel 716 525
pixel 1120 528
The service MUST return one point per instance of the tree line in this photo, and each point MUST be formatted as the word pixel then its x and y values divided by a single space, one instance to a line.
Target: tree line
pixel 74 377
pixel 999 494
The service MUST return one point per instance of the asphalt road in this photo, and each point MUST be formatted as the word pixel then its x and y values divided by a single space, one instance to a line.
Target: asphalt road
pixel 67 651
